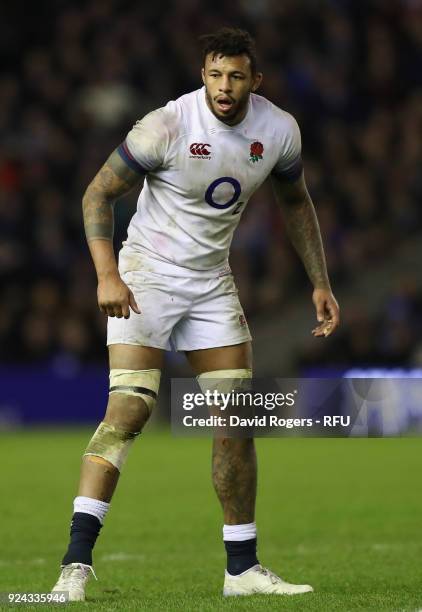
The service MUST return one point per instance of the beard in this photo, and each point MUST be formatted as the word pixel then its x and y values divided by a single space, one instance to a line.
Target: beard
pixel 236 113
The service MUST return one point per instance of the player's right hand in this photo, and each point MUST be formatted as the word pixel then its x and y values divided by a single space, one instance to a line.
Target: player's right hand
pixel 115 298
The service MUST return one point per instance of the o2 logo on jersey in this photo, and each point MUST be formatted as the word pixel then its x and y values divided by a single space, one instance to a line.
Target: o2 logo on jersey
pixel 237 189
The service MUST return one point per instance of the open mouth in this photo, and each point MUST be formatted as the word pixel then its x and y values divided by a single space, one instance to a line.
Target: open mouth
pixel 224 104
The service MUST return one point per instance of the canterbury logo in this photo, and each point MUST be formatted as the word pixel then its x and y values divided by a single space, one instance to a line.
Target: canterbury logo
pixel 199 149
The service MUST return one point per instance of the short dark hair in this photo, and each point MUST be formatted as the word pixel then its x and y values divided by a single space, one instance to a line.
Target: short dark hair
pixel 229 41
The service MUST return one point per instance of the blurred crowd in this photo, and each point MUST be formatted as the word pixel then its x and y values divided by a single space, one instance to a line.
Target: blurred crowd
pixel 75 77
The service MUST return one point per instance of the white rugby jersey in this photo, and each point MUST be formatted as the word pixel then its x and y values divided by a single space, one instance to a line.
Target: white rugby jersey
pixel 200 174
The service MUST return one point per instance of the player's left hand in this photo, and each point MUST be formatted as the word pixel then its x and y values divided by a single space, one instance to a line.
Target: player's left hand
pixel 327 310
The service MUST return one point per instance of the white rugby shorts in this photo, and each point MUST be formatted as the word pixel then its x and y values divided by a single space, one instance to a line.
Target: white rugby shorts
pixel 179 313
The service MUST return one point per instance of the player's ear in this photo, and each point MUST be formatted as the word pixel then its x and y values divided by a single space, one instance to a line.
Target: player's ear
pixel 203 75
pixel 257 80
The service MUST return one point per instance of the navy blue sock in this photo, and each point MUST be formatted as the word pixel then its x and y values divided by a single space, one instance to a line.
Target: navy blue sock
pixel 84 530
pixel 240 556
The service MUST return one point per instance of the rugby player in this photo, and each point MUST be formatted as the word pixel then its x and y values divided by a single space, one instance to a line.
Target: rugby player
pixel 202 156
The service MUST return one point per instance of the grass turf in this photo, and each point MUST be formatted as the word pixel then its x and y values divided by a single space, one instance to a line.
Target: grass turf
pixel 343 515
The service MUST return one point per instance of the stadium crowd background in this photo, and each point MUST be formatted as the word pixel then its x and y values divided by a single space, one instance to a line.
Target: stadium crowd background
pixel 76 76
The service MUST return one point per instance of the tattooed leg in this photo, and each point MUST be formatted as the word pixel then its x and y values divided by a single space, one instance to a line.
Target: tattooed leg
pixel 234 471
pixel 234 460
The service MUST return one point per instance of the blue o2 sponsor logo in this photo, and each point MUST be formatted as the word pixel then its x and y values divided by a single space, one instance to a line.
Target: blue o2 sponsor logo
pixel 209 194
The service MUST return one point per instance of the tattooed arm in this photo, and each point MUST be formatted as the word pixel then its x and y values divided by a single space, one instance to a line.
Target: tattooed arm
pixel 303 230
pixel 114 180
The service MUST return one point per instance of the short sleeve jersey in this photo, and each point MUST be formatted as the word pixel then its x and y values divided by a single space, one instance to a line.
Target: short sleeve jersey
pixel 200 174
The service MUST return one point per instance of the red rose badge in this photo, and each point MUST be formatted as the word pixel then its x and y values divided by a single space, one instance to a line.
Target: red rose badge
pixel 257 149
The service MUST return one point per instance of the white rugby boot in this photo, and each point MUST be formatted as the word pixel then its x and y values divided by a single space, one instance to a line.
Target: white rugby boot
pixel 259 579
pixel 73 579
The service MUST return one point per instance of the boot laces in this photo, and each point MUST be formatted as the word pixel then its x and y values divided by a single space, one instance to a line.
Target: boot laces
pixel 72 575
pixel 273 577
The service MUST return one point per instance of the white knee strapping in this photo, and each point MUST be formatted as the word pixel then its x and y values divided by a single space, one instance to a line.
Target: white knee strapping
pixel 139 383
pixel 111 443
pixel 225 381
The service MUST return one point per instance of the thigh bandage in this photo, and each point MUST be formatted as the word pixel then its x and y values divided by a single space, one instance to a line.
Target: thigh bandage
pixel 111 443
pixel 139 383
pixel 225 381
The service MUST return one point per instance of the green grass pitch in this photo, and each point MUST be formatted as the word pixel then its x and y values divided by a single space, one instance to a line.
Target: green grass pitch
pixel 343 515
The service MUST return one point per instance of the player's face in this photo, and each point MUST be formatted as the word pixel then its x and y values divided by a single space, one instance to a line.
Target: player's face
pixel 228 82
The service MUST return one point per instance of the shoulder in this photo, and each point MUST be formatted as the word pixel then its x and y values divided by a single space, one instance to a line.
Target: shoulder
pixel 161 121
pixel 150 137
pixel 279 119
pixel 169 121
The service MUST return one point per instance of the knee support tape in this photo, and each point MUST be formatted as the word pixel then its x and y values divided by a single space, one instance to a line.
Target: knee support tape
pixel 225 381
pixel 111 443
pixel 139 383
